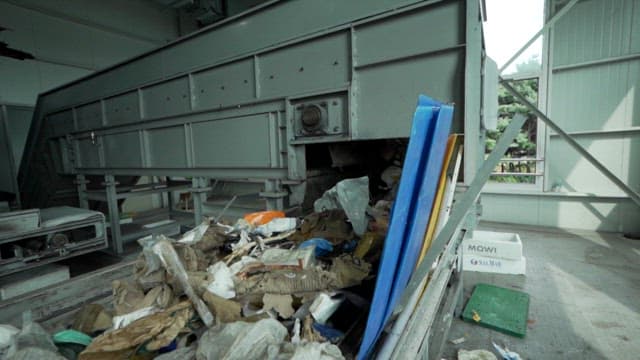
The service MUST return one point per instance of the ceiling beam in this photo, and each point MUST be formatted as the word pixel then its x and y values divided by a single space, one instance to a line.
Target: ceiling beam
pixel 85 22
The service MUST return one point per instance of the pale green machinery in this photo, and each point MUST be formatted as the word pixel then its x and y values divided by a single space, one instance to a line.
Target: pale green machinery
pixel 241 101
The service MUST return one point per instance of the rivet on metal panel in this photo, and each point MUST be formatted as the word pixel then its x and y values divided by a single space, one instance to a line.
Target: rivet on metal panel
pixel 246 81
pixel 271 76
pixel 335 63
pixel 301 69
pixel 222 87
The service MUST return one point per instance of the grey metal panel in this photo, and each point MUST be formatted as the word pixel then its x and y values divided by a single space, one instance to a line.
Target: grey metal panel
pixel 225 85
pixel 124 143
pixel 88 154
pixel 597 30
pixel 230 143
pixel 7 174
pixel 89 116
pixel 122 109
pixel 407 35
pixel 167 147
pixel 224 40
pixel 287 53
pixel 166 99
pixel 61 123
pixel 439 76
pixel 18 122
pixel 315 65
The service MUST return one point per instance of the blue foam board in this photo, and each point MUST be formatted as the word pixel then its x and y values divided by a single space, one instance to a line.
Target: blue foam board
pixel 415 163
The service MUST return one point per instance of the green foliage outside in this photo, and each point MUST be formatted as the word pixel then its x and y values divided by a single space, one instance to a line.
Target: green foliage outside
pixel 524 145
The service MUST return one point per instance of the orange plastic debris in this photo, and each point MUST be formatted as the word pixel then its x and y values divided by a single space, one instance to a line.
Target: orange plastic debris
pixel 263 217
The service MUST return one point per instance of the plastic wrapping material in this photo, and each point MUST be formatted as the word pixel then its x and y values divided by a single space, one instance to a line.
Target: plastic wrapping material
pixel 121 321
pixel 241 341
pixel 152 262
pixel 317 351
pixel 194 235
pixel 324 306
pixel 222 284
pixel 263 217
pixel 186 353
pixel 31 339
pixel 6 332
pixel 172 263
pixel 240 264
pixel 157 331
pixel 476 355
pixel 300 258
pixel 352 195
pixel 288 282
pixel 276 225
pixel 35 353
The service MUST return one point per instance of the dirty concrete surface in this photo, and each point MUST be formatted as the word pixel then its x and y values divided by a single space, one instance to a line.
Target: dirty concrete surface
pixel 585 291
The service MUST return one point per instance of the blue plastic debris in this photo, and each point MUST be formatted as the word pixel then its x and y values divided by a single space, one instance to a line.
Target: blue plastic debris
pixel 349 246
pixel 323 246
pixel 506 354
pixel 329 333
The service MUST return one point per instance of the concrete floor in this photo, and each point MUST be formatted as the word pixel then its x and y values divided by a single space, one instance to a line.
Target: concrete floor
pixel 585 297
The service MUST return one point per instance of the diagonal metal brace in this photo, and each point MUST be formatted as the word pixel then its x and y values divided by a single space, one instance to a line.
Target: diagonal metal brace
pixel 574 144
pixel 460 210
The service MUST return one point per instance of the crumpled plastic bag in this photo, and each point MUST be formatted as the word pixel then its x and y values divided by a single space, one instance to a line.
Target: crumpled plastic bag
pixel 241 340
pixel 32 342
pixel 194 235
pixel 222 284
pixel 317 351
pixel 157 331
pixel 352 195
pixel 6 332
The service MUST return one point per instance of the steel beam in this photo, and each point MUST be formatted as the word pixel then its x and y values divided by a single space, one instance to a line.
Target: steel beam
pixel 573 143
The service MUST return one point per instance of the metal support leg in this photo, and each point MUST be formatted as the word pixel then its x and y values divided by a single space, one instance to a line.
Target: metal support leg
pixel 274 194
pixel 114 214
pixel 199 194
pixel 573 143
pixel 170 200
pixel 81 183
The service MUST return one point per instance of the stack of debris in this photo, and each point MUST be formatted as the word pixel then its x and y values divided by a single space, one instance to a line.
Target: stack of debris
pixel 267 286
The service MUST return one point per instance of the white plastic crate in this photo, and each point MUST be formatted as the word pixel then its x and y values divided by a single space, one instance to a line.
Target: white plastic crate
pixel 493 244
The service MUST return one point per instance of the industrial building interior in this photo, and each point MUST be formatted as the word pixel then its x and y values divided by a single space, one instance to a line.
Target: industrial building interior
pixel 319 179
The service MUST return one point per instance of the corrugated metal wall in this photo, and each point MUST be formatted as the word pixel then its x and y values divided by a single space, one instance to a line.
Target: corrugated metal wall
pixel 594 94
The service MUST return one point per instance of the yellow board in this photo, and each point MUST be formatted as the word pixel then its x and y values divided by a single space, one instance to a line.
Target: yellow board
pixel 440 192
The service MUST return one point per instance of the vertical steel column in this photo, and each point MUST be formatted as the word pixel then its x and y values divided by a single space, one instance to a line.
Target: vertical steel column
pixel 273 194
pixel 81 183
pixel 114 213
pixel 199 194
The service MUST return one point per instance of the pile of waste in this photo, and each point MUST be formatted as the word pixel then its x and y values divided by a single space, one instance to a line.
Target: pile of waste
pixel 266 286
